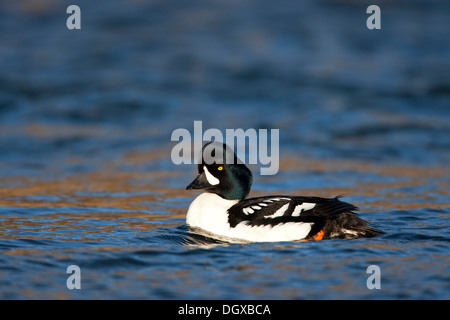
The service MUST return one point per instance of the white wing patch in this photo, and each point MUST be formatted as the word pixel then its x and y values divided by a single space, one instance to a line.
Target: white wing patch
pixel 302 207
pixel 265 203
pixel 275 199
pixel 262 204
pixel 279 212
pixel 211 179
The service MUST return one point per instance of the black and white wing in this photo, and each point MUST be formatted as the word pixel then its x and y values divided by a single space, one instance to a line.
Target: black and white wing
pixel 276 209
pixel 336 218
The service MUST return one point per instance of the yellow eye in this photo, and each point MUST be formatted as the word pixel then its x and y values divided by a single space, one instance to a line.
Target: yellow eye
pixel 220 168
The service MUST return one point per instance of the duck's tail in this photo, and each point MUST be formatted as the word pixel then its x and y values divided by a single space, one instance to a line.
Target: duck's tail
pixel 349 225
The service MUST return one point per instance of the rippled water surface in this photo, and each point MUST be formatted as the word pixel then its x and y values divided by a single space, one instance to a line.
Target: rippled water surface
pixel 86 118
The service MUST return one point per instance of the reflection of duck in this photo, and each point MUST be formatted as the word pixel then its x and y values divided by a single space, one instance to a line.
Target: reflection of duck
pixel 224 211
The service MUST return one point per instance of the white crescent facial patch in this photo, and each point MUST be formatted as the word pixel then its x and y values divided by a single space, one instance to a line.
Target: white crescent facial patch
pixel 211 179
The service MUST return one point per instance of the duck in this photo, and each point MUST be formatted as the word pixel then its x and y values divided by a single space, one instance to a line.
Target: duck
pixel 223 210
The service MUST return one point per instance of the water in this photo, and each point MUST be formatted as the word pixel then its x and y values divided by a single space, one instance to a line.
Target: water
pixel 86 118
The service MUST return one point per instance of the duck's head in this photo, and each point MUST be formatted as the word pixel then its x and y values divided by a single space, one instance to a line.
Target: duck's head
pixel 221 172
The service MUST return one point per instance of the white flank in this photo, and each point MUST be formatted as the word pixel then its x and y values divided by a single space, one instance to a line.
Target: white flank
pixel 210 213
pixel 211 179
pixel 302 207
pixel 289 231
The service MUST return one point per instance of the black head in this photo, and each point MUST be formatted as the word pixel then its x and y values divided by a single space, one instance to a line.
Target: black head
pixel 221 172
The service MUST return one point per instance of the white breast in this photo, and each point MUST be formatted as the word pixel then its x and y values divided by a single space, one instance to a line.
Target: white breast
pixel 209 212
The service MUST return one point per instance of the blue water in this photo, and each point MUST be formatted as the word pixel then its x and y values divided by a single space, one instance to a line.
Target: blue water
pixel 86 118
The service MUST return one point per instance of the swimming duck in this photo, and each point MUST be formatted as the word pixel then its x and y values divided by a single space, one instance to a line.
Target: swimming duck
pixel 224 211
